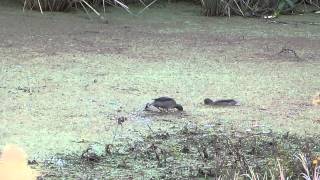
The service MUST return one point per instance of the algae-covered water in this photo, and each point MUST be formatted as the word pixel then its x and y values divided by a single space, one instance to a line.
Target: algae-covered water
pixel 66 79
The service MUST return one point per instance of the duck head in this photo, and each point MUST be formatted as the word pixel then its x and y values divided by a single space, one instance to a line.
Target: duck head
pixel 179 107
pixel 208 101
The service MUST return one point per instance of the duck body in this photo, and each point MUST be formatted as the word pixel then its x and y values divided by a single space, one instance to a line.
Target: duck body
pixel 164 103
pixel 221 102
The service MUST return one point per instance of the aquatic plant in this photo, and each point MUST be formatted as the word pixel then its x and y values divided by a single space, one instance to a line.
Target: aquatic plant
pixel 251 7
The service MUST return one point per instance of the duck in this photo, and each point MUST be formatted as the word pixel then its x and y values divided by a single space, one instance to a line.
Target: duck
pixel 164 103
pixel 316 100
pixel 221 102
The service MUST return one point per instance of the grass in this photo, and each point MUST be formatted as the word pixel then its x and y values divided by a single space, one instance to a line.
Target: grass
pixel 191 152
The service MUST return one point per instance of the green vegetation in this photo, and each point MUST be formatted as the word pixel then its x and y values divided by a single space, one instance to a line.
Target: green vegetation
pixel 194 152
pixel 255 8
pixel 248 8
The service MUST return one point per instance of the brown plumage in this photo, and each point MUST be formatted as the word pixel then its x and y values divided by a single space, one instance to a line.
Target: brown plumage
pixel 165 103
pixel 221 102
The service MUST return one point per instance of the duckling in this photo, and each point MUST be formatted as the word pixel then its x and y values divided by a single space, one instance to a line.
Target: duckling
pixel 316 100
pixel 221 102
pixel 164 103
